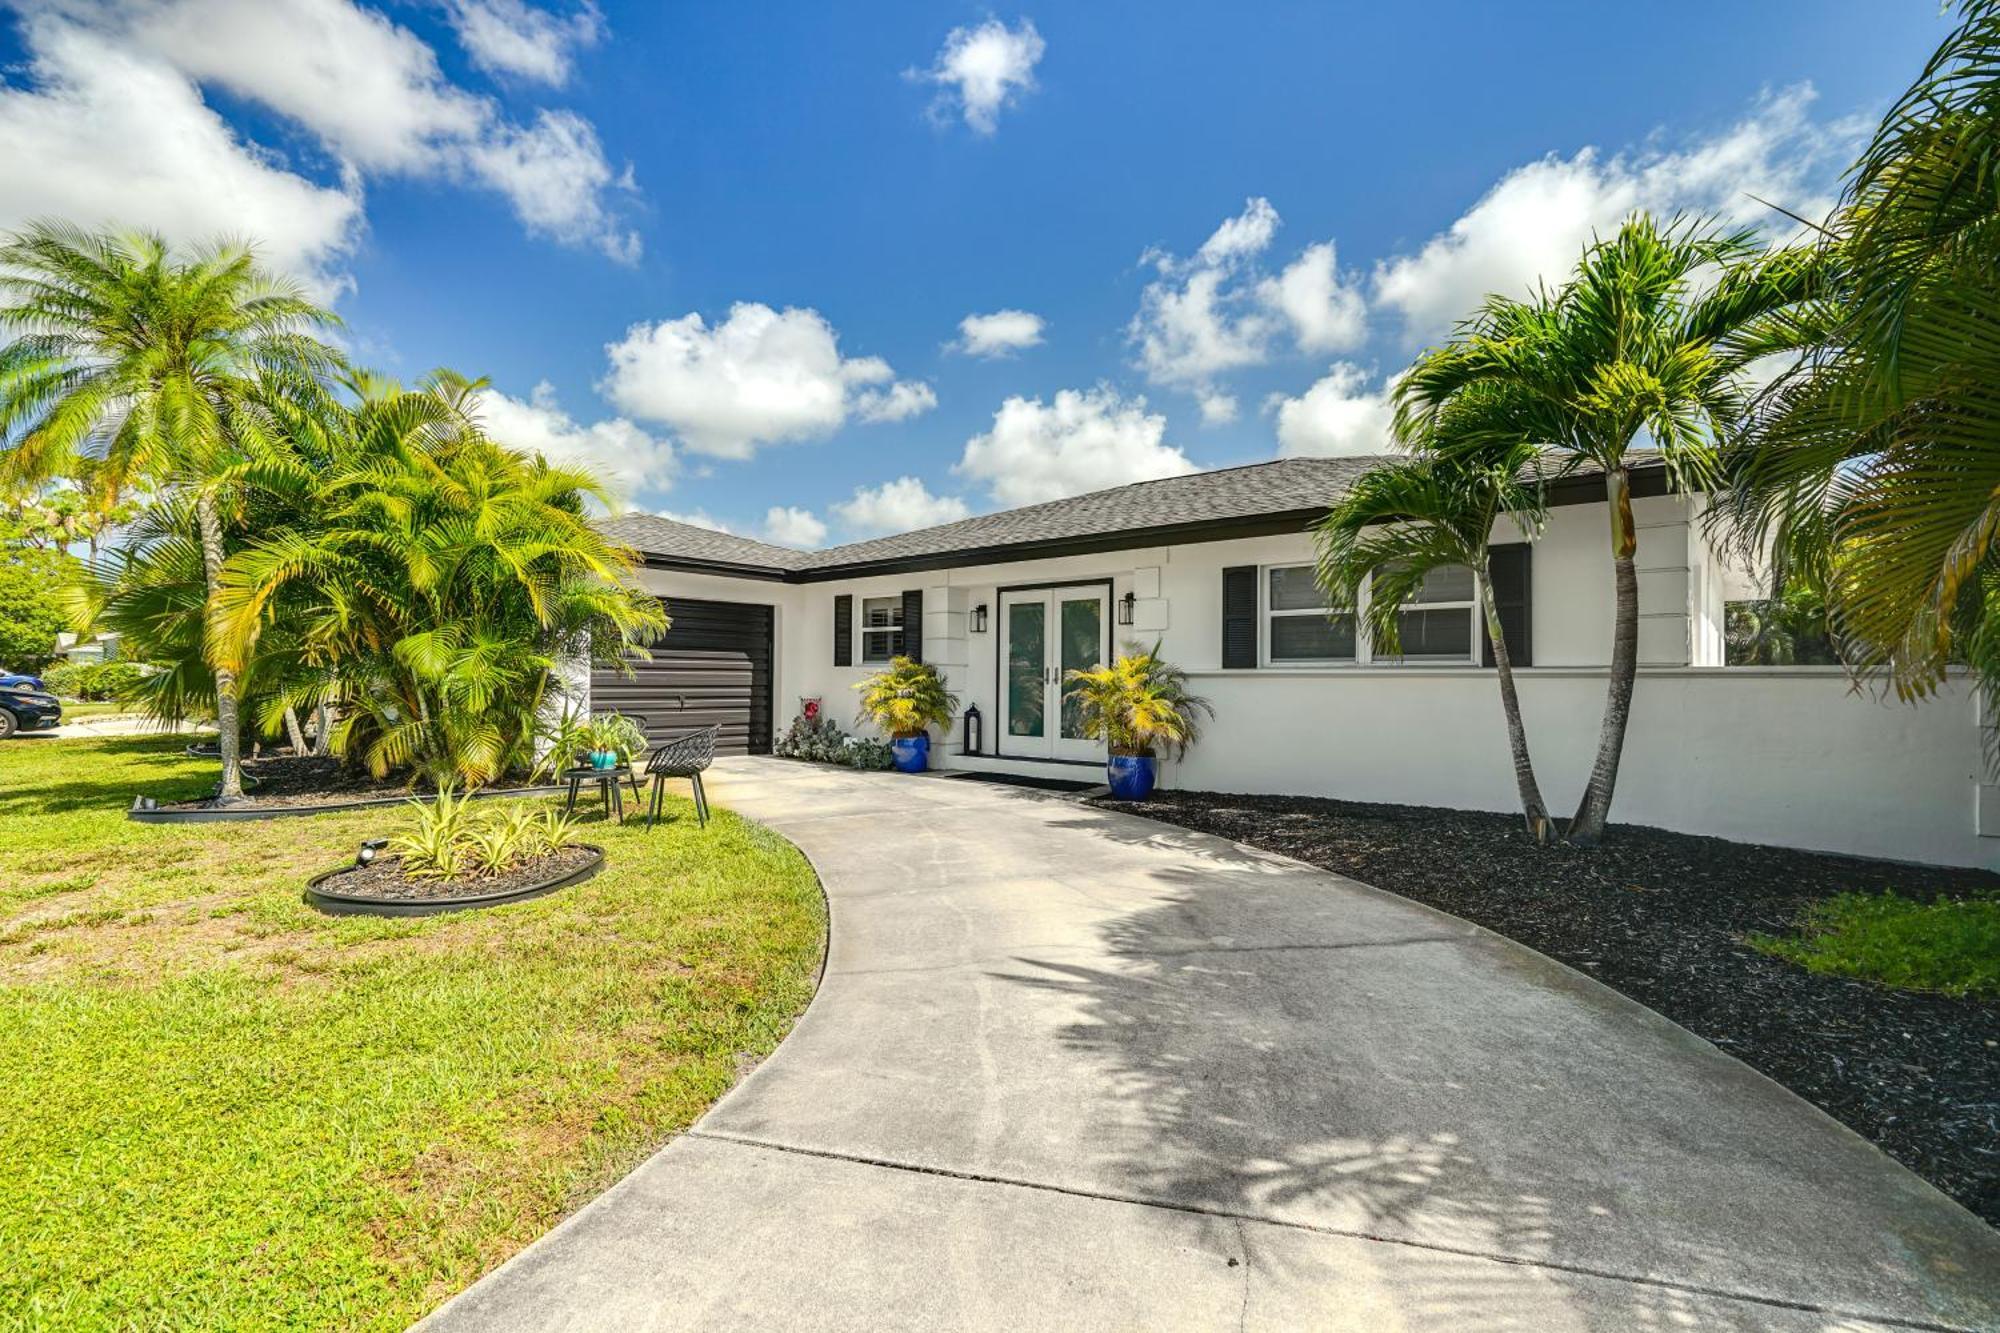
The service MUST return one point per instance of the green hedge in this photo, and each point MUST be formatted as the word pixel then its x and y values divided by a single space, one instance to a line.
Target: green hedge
pixel 93 680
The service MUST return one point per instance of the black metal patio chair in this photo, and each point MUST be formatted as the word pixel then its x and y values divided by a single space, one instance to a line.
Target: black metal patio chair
pixel 682 757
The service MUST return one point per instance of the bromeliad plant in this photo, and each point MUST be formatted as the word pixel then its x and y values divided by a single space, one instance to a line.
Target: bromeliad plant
pixel 447 838
pixel 907 699
pixel 1138 706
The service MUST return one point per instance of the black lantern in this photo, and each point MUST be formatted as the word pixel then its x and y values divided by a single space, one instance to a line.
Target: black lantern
pixel 1126 605
pixel 979 619
pixel 970 730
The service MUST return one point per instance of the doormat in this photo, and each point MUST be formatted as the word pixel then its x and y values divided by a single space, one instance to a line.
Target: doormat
pixel 1039 784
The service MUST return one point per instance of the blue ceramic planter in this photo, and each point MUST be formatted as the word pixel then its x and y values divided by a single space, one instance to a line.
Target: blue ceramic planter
pixel 1131 776
pixel 604 758
pixel 913 753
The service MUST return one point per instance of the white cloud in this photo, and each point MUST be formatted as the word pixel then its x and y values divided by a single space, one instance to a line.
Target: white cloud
pixel 555 173
pixel 897 506
pixel 370 92
pixel 1326 314
pixel 111 136
pixel 1242 237
pixel 626 457
pixel 1535 222
pixel 788 525
pixel 1084 441
pixel 1001 333
pixel 899 402
pixel 510 37
pixel 1217 409
pixel 1216 312
pixel 759 377
pixel 984 69
pixel 1338 416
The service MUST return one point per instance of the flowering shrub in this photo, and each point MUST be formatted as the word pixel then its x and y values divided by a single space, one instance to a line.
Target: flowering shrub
pixel 816 737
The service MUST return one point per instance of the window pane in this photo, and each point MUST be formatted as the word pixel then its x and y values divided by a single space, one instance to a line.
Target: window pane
pixel 1446 583
pixel 1027 659
pixel 1436 634
pixel 1312 639
pixel 881 612
pixel 880 645
pixel 1293 589
pixel 1082 646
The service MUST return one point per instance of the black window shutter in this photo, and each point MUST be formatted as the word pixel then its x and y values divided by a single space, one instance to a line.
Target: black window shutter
pixel 1507 574
pixel 1239 616
pixel 843 630
pixel 913 624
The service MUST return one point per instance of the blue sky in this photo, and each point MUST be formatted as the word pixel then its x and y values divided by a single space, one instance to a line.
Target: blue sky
pixel 723 251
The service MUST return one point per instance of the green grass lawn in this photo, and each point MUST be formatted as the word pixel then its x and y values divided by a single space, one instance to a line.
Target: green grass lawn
pixel 94 708
pixel 1950 946
pixel 220 1108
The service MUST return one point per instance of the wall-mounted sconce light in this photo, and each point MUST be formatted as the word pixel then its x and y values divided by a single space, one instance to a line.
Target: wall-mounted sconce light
pixel 979 619
pixel 1126 605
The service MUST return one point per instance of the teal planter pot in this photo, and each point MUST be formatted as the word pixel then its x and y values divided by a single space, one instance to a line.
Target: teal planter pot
pixel 913 753
pixel 1131 776
pixel 603 759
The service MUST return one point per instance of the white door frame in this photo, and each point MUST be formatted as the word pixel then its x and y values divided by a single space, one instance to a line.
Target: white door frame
pixel 1051 745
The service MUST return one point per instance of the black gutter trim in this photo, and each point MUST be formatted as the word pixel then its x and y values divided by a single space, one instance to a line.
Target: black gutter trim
pixel 728 568
pixel 1648 479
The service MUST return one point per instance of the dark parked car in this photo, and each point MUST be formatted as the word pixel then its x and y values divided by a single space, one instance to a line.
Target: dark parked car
pixel 26 706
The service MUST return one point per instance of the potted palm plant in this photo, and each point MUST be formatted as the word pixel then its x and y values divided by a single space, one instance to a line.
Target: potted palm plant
pixel 1138 706
pixel 907 699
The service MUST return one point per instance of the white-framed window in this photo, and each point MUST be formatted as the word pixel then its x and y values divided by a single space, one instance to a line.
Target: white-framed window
pixel 1296 628
pixel 881 628
pixel 1439 625
pixel 1440 622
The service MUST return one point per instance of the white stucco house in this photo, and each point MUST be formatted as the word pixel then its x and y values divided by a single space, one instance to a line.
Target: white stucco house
pixel 1216 567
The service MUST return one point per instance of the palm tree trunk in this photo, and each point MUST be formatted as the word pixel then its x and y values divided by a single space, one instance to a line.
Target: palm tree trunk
pixel 323 729
pixel 228 738
pixel 294 731
pixel 1595 808
pixel 1532 805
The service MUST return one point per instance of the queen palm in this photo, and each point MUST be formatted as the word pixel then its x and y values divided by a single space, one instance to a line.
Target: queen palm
pixel 1406 519
pixel 1873 470
pixel 1644 346
pixel 132 364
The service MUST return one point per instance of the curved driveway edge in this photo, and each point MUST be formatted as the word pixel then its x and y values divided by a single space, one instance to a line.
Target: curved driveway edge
pixel 1071 1068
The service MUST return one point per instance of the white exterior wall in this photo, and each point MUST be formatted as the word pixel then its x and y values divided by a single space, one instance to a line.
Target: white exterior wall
pixel 1790 756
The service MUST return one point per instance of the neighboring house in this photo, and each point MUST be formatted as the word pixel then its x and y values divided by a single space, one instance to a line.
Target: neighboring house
pixel 102 648
pixel 1217 567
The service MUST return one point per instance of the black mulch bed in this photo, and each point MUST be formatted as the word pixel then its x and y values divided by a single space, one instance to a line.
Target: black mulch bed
pixel 383 878
pixel 1661 917
pixel 305 780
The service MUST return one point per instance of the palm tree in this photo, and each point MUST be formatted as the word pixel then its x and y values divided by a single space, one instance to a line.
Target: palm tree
pixel 1402 521
pixel 1872 472
pixel 132 365
pixel 1644 346
pixel 434 579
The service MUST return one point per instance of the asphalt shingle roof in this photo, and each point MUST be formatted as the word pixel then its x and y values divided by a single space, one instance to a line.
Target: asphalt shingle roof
pixel 1227 493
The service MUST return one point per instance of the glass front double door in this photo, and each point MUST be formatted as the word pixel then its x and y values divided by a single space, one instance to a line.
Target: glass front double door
pixel 1044 634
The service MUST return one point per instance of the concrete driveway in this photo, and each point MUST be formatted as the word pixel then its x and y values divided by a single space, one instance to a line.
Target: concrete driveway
pixel 1080 1070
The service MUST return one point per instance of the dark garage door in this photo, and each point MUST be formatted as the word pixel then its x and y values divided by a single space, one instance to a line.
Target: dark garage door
pixel 712 668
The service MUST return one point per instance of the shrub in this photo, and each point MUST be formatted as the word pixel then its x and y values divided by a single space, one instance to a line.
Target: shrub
pixel 1950 946
pixel 1138 705
pixel 907 698
pixel 94 680
pixel 816 737
pixel 447 838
